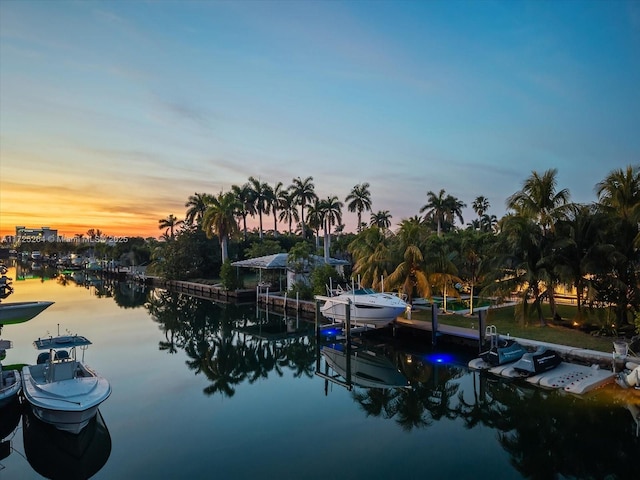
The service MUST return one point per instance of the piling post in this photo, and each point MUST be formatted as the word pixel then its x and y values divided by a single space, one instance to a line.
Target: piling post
pixel 347 320
pixel 434 324
pixel 318 321
pixel 481 326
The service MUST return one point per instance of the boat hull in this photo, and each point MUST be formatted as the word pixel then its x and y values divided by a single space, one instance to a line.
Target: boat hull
pixel 18 312
pixel 9 386
pixel 378 309
pixel 68 404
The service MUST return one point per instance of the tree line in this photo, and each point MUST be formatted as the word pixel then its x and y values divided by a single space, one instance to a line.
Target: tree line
pixel 543 241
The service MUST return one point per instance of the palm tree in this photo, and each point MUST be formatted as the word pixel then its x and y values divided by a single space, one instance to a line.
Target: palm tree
pixel 315 218
pixel 261 194
pixel 581 253
pixel 372 259
pixel 454 208
pixel 436 208
pixel 331 209
pixel 245 202
pixel 480 206
pixel 410 275
pixel 441 268
pixel 518 265
pixel 289 211
pixel 539 199
pixel 303 192
pixel 359 200
pixel 381 219
pixel 619 198
pixel 219 218
pixel 196 206
pixel 275 195
pixel 169 224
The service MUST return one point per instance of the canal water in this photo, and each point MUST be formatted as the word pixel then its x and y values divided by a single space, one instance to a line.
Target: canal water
pixel 206 390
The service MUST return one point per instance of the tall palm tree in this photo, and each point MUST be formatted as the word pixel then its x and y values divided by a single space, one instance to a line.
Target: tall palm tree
pixel 619 198
pixel 539 199
pixel 441 267
pixel 480 205
pixel 219 219
pixel 303 192
pixel 453 210
pixel 331 209
pixel 244 197
pixel 359 200
pixel 436 208
pixel 275 195
pixel 196 206
pixel 169 224
pixel 261 193
pixel 381 219
pixel 288 209
pixel 315 219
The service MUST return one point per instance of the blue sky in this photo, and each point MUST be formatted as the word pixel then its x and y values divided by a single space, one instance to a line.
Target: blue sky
pixel 112 113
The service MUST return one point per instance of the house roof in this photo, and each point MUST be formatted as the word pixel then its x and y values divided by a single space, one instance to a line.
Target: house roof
pixel 280 261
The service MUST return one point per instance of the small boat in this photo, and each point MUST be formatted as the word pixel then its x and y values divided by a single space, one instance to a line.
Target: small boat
pixel 533 363
pixel 367 307
pixel 61 389
pixel 9 379
pixel 363 368
pixel 18 312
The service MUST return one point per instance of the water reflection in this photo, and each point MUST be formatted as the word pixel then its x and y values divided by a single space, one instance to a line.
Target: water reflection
pixel 56 454
pixel 228 345
pixel 549 433
pixel 546 434
pixel 9 420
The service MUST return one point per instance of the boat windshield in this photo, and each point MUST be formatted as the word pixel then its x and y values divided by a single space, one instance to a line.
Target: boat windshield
pixel 364 291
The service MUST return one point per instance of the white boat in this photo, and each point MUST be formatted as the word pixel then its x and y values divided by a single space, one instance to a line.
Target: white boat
pixel 364 368
pixel 367 307
pixel 61 389
pixel 9 379
pixel 17 312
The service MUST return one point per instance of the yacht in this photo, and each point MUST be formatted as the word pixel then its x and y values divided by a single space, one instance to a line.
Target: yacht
pixel 367 307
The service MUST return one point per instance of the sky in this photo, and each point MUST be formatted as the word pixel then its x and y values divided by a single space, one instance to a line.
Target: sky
pixel 113 112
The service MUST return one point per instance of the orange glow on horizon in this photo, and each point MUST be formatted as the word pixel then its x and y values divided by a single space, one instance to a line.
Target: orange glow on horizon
pixel 73 211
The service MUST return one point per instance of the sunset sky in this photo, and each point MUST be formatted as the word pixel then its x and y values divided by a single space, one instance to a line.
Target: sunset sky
pixel 113 112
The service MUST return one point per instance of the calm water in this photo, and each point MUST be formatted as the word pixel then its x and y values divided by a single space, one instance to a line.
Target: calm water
pixel 221 391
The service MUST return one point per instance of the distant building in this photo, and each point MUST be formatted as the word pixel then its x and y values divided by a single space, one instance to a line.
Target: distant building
pixel 43 234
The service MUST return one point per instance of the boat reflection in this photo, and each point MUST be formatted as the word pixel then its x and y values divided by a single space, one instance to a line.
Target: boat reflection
pixel 362 367
pixel 57 454
pixel 9 420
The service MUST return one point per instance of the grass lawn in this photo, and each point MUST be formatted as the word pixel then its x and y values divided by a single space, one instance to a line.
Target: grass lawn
pixel 504 320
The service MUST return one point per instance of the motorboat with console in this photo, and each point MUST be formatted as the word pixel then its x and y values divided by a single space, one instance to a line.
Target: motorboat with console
pixel 61 389
pixel 366 307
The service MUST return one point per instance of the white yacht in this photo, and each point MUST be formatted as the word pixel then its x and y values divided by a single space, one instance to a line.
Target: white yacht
pixel 367 307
